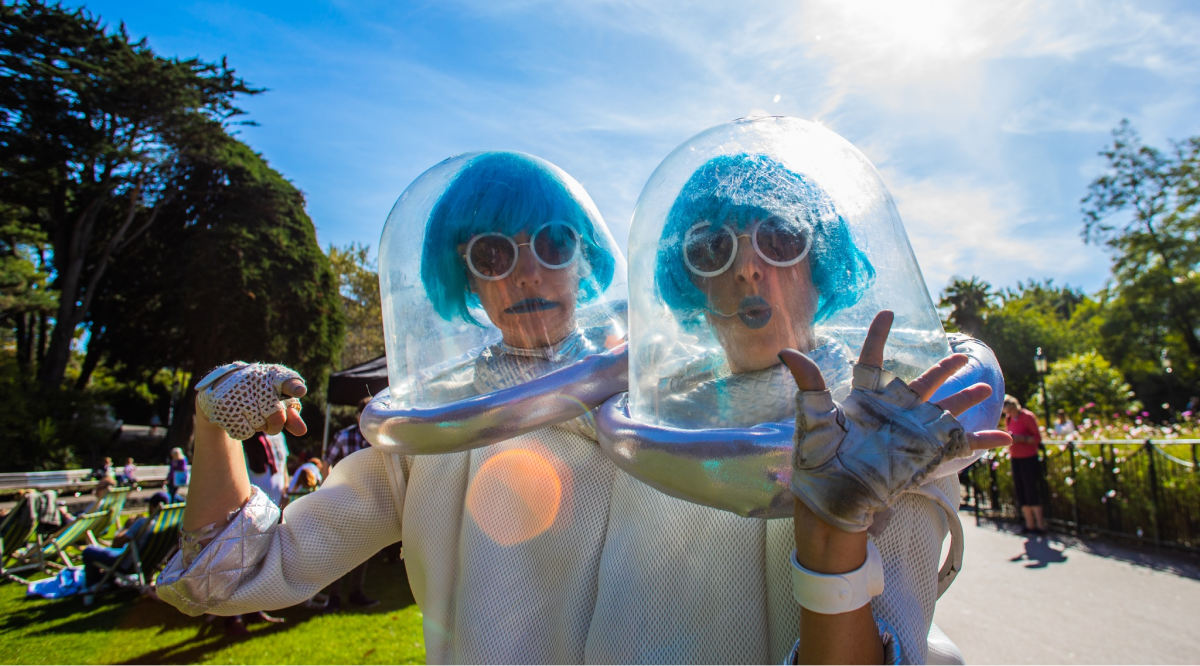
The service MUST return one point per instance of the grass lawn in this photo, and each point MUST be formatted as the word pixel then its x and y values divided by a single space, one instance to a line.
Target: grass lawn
pixel 124 629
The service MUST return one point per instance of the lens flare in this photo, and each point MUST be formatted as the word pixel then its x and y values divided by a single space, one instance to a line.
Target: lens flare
pixel 515 496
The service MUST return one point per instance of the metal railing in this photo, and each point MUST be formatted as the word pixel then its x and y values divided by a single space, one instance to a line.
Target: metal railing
pixel 74 479
pixel 1146 490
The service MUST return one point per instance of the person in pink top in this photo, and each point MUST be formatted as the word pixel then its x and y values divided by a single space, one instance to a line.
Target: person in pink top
pixel 1023 426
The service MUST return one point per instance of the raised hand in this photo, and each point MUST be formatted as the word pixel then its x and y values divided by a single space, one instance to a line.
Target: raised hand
pixel 852 460
pixel 245 398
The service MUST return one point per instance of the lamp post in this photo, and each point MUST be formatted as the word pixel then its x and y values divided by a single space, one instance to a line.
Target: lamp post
pixel 1042 367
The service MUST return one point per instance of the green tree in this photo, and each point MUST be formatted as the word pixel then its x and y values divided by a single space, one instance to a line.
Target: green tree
pixel 1016 322
pixel 969 302
pixel 93 128
pixel 234 272
pixel 1145 208
pixel 26 299
pixel 1082 380
pixel 358 278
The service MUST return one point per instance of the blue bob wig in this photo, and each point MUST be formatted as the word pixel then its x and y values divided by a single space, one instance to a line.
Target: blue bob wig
pixel 509 193
pixel 740 189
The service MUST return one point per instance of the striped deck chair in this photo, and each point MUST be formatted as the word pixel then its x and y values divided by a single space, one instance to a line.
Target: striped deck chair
pixel 135 567
pixel 113 501
pixel 17 528
pixel 41 557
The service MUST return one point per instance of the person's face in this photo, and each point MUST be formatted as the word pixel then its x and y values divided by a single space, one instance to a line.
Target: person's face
pixel 757 309
pixel 1010 411
pixel 534 306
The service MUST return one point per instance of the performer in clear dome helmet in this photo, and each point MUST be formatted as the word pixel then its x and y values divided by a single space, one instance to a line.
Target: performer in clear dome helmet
pixel 754 239
pixel 504 304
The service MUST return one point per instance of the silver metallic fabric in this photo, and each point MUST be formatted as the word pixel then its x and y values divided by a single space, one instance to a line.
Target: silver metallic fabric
pixel 747 471
pixel 216 571
pixel 561 395
pixel 851 460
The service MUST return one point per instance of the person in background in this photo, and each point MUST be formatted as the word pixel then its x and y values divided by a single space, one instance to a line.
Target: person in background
pixel 347 441
pixel 1027 473
pixel 128 473
pixel 1064 427
pixel 105 471
pixel 308 477
pixel 266 457
pixel 177 476
pixel 94 555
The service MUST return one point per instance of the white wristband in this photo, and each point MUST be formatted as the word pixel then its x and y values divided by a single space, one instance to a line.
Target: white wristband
pixel 831 594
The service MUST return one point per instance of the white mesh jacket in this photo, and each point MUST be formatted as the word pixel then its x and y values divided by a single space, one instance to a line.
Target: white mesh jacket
pixel 539 550
pixel 661 580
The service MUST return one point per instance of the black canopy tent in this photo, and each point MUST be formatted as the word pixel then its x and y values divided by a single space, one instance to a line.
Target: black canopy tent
pixel 348 386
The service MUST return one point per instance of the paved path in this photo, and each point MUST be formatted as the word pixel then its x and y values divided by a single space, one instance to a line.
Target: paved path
pixel 1063 601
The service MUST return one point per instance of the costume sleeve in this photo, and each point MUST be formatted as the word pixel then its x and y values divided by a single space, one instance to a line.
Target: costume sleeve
pixel 258 562
pixel 911 546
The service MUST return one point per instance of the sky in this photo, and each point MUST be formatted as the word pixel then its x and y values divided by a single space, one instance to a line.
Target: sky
pixel 984 118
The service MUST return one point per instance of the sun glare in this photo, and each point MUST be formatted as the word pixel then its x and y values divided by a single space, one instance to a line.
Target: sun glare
pixel 515 496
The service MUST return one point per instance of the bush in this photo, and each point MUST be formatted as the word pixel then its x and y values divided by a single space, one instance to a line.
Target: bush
pixel 1087 381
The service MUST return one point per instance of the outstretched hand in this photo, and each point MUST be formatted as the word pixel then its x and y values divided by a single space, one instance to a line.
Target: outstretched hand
pixel 808 378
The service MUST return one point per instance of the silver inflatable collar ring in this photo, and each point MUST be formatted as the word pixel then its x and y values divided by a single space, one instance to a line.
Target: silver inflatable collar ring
pixel 553 398
pixel 746 471
pixel 742 470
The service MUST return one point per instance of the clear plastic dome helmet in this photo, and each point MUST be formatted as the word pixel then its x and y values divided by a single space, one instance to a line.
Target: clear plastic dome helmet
pixel 755 236
pixel 504 306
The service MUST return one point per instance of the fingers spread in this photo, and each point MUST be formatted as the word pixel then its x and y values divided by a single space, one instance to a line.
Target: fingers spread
pixel 929 382
pixel 877 335
pixel 966 399
pixel 295 424
pixel 988 439
pixel 804 370
pixel 275 423
pixel 294 387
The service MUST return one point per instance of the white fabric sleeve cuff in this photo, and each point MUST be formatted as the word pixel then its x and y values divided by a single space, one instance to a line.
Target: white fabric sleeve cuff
pixel 196 582
pixel 831 594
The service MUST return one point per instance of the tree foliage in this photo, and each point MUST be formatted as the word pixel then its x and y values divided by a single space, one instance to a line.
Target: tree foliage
pixel 1145 208
pixel 236 273
pixel 968 301
pixel 1015 322
pixel 175 247
pixel 1087 383
pixel 358 280
pixel 93 129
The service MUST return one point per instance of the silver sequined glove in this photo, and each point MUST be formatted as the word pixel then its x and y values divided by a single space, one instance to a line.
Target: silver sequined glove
pixel 852 460
pixel 240 396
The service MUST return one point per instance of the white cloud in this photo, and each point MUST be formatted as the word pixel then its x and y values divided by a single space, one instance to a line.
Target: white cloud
pixel 958 228
pixel 1048 115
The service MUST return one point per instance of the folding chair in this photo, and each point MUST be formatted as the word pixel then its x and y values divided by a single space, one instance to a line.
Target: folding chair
pixel 17 528
pixel 40 557
pixel 113 501
pixel 159 537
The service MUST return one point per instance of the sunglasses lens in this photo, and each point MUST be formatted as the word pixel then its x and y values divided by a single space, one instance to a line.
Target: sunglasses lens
pixel 708 248
pixel 556 244
pixel 781 242
pixel 492 256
